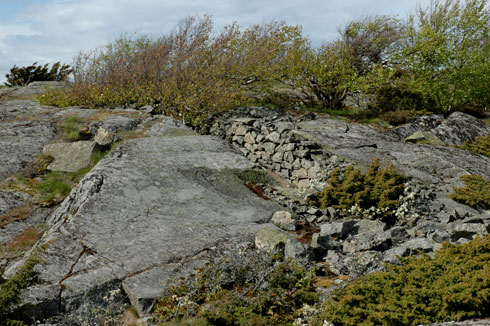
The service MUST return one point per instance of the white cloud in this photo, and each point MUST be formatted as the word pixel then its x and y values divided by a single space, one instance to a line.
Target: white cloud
pixel 55 30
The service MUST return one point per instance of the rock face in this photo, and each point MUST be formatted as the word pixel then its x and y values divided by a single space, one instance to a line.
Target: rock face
pixel 153 202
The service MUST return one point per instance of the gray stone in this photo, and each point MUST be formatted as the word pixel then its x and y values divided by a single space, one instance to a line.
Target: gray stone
pixel 117 122
pixel 298 250
pixel 425 137
pixel 249 138
pixel 274 137
pixel 104 137
pixel 169 127
pixel 269 147
pixel 336 229
pixel 284 220
pixel 69 157
pixel 368 226
pixel 277 157
pixel 241 130
pixel 300 174
pixel 466 230
pixel 21 142
pixel 354 264
pixel 379 241
pixel 151 202
pixel 271 238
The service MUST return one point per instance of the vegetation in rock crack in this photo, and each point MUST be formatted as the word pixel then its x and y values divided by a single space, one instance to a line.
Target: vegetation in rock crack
pixel 480 145
pixel 379 188
pixel 475 193
pixel 436 60
pixel 452 286
pixel 21 76
pixel 10 291
pixel 49 188
pixel 240 292
pixel 73 128
pixel 21 242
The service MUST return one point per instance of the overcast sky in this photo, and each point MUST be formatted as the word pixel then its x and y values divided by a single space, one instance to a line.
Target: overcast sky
pixel 55 30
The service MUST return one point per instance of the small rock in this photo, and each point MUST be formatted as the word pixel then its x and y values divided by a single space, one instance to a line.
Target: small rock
pixel 69 157
pixel 271 238
pixel 104 137
pixel 284 220
pixel 296 249
pixel 336 229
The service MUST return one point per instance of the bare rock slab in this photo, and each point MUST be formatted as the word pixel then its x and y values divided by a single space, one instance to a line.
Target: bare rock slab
pixel 151 203
pixel 69 157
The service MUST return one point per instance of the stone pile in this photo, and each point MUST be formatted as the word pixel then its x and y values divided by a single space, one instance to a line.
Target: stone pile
pixel 272 142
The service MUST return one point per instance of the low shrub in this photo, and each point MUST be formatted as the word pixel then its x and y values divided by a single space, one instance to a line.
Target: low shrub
pixel 241 295
pixel 399 117
pixel 475 193
pixel 452 286
pixel 400 97
pixel 21 76
pixel 480 145
pixel 379 188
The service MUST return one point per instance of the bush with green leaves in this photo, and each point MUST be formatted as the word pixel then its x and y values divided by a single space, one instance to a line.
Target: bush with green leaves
pixel 475 193
pixel 452 286
pixel 379 188
pixel 21 76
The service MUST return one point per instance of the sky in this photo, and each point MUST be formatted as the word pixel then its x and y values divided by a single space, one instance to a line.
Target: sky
pixel 48 31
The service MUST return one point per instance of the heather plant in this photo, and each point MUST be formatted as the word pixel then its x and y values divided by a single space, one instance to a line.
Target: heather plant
pixel 21 76
pixel 452 286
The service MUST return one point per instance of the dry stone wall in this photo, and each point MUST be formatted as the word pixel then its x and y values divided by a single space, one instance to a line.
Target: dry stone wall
pixel 271 140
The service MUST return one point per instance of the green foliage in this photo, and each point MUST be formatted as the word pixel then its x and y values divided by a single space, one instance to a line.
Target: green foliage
pixel 452 286
pixel 217 302
pixel 379 188
pixel 21 76
pixel 475 193
pixel 190 73
pixel 480 145
pixel 400 97
pixel 10 290
pixel 446 50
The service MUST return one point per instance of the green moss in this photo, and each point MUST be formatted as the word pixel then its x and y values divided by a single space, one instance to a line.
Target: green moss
pixel 454 285
pixel 480 145
pixel 475 193
pixel 379 188
pixel 10 290
pixel 213 300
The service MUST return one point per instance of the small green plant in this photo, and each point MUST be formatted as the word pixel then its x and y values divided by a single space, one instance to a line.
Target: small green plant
pixel 379 188
pixel 452 286
pixel 71 129
pixel 480 145
pixel 21 76
pixel 10 290
pixel 476 192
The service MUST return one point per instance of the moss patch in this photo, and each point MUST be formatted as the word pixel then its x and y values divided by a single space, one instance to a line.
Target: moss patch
pixel 73 128
pixel 451 286
pixel 475 193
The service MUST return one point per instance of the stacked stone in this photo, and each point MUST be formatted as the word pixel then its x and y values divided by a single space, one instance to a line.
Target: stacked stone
pixel 272 142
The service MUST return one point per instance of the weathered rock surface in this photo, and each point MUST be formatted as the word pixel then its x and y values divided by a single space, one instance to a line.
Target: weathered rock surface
pixel 69 157
pixel 153 202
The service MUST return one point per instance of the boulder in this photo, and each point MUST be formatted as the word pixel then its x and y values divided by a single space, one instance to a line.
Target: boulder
pixel 69 157
pixel 103 137
pixel 284 220
pixel 271 238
